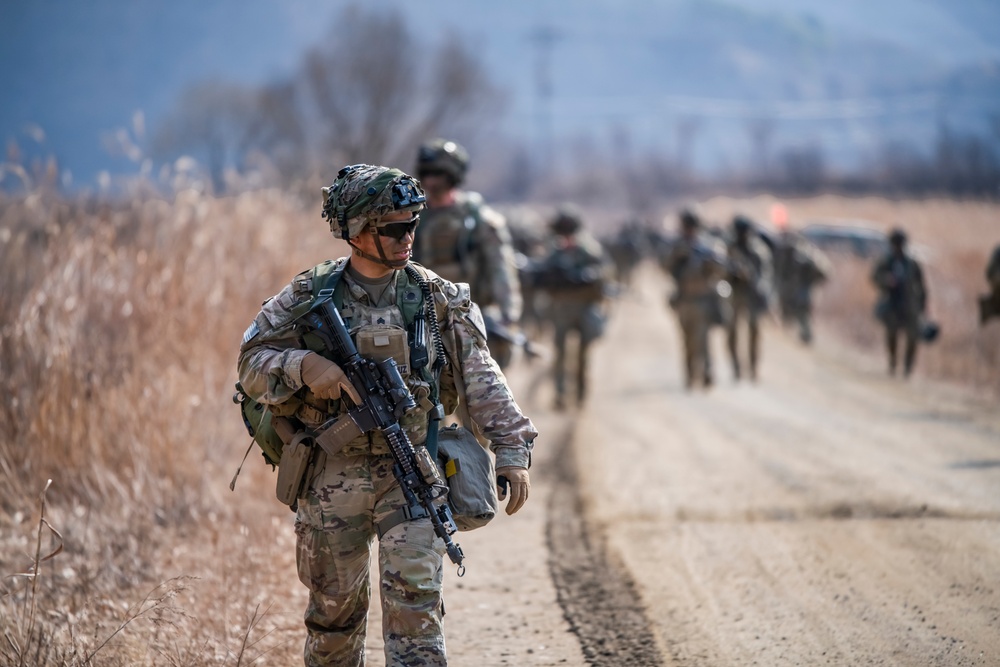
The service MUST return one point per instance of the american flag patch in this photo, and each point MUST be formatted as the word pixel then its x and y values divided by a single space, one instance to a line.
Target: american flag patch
pixel 251 331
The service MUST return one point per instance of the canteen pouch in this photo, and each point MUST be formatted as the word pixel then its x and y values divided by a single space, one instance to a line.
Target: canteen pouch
pixel 295 460
pixel 468 468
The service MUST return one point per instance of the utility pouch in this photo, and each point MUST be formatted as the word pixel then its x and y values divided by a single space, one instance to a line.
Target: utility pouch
pixel 381 342
pixel 468 469
pixel 295 458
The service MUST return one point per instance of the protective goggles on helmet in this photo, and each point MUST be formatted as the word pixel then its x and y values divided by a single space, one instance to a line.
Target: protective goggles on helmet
pixel 398 230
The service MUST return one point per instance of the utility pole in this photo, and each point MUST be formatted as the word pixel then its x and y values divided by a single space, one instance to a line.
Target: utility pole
pixel 543 38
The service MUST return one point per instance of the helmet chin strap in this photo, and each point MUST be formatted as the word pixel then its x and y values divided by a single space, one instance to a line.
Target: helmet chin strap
pixel 381 259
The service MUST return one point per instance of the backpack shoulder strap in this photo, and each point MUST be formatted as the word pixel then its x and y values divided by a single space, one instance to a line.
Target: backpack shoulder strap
pixel 324 276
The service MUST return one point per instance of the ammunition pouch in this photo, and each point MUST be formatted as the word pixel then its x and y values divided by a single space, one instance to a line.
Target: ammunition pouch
pixel 381 342
pixel 296 458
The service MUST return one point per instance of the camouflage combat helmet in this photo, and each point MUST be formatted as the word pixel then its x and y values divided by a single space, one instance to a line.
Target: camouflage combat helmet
pixel 568 220
pixel 742 224
pixel 442 155
pixel 689 218
pixel 363 193
pixel 897 237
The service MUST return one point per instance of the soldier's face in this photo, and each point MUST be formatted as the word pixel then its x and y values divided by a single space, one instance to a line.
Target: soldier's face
pixel 396 246
pixel 436 184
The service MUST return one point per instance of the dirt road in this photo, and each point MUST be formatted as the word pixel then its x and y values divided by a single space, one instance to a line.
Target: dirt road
pixel 827 515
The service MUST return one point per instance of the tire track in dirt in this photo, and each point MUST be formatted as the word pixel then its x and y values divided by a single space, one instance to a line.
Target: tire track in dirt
pixel 598 597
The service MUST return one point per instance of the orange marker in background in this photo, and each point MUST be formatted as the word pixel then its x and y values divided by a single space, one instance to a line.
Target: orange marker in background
pixel 779 216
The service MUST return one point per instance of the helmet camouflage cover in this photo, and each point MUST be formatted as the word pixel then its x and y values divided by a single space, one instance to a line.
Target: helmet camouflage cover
pixel 444 156
pixel 363 193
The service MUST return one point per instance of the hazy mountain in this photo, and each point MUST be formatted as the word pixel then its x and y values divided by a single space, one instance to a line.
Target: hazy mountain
pixel 843 75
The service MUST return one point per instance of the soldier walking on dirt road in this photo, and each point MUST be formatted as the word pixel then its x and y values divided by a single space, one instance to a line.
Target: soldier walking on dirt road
pixel 902 299
pixel 350 496
pixel 799 267
pixel 750 273
pixel 464 240
pixel 575 275
pixel 697 266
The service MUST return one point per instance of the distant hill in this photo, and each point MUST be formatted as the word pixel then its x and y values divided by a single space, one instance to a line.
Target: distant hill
pixel 843 75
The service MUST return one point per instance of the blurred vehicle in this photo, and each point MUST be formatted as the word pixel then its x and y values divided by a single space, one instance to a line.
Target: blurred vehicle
pixel 850 236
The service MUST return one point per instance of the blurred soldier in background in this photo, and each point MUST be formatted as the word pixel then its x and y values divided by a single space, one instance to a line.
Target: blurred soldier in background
pixel 989 304
pixel 626 250
pixel 799 267
pixel 464 240
pixel 750 271
pixel 902 299
pixel 530 237
pixel 697 266
pixel 575 274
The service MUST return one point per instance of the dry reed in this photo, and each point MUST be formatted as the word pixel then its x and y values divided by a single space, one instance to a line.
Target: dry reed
pixel 120 328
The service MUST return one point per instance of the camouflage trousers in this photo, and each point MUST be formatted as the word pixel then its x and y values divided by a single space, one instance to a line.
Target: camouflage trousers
pixel 586 320
pixel 335 528
pixel 796 308
pixel 744 309
pixel 910 328
pixel 694 317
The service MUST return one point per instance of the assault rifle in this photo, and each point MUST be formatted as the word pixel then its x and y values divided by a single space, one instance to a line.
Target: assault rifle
pixel 385 398
pixel 498 330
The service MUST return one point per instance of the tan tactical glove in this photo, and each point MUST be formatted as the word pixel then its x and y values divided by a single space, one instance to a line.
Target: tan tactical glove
pixel 519 486
pixel 326 379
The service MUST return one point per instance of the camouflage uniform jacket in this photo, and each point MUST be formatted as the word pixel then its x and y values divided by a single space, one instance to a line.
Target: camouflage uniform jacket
pixel 798 268
pixel 750 270
pixel 696 267
pixel 470 242
pixel 576 271
pixel 797 264
pixel 270 364
pixel 902 292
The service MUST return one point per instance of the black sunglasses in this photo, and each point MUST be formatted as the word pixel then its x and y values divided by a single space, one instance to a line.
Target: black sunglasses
pixel 399 230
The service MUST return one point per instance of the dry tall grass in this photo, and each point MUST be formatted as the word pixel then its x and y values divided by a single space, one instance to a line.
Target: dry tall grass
pixel 120 327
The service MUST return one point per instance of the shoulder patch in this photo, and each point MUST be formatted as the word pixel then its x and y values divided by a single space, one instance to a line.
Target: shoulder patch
pixel 251 332
pixel 278 309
